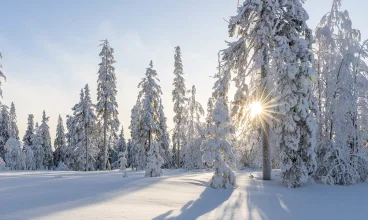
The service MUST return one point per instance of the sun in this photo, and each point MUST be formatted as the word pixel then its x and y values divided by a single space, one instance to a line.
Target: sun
pixel 256 108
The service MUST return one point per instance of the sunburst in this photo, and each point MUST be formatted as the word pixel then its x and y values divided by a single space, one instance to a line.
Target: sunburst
pixel 261 108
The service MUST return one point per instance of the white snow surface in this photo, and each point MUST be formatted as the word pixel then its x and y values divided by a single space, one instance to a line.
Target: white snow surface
pixel 177 194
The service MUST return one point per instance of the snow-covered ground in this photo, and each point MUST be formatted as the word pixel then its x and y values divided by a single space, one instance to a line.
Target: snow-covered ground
pixel 176 195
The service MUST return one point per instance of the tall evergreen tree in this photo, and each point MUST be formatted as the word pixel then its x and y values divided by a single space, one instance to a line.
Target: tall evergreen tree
pixel 249 56
pixel 37 148
pixel 85 149
pixel 60 143
pixel 163 138
pixel 46 142
pixel 298 128
pixel 179 99
pixel 4 128
pixel 27 138
pixel 13 127
pixel 217 149
pixel 106 97
pixel 192 156
pixel 60 134
pixel 149 96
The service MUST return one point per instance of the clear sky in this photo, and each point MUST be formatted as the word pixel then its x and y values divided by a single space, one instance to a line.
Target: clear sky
pixel 50 48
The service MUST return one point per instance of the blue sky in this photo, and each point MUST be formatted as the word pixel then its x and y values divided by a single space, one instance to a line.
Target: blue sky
pixel 50 48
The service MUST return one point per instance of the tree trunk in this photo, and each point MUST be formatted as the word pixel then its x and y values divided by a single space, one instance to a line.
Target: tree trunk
pixel 267 166
pixel 86 137
pixel 104 141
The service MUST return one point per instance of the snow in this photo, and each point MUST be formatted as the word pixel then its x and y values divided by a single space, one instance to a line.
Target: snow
pixel 177 194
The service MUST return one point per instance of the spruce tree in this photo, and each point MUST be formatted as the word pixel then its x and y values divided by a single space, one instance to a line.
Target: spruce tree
pixel 4 128
pixel 85 149
pixel 192 156
pixel 46 142
pixel 179 99
pixel 60 143
pixel 163 138
pixel 217 149
pixel 13 129
pixel 27 138
pixel 106 97
pixel 149 97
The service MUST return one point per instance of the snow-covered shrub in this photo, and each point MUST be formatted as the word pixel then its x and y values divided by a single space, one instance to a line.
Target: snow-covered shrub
pixel 334 165
pixel 217 150
pixel 123 163
pixel 29 157
pixel 62 167
pixel 154 161
pixel 2 164
pixel 13 154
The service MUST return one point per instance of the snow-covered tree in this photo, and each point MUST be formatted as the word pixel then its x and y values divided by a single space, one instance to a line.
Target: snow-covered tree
pixel 298 128
pixel 13 128
pixel 4 128
pixel 209 116
pixel 154 161
pixel 27 138
pixel 191 153
pixel 120 146
pixel 217 149
pixel 37 149
pixel 341 94
pixel 179 99
pixel 46 142
pixel 149 97
pixel 163 138
pixel 14 158
pixel 123 163
pixel 106 97
pixel 257 25
pixel 29 157
pixel 137 151
pixel 84 121
pixel 60 143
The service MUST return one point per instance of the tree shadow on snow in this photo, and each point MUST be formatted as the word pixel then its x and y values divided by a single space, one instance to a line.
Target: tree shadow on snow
pixel 68 191
pixel 209 200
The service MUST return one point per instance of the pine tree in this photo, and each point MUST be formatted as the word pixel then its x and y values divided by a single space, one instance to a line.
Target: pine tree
pixel 298 128
pixel 179 100
pixel 250 55
pixel 106 96
pixel 217 149
pixel 137 150
pixel 46 142
pixel 192 156
pixel 149 96
pixel 60 143
pixel 163 138
pixel 209 117
pixel 13 128
pixel 27 138
pixel 37 148
pixel 120 146
pixel 4 129
pixel 84 118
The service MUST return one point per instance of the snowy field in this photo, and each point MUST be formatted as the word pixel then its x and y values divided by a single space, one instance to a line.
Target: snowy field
pixel 176 195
